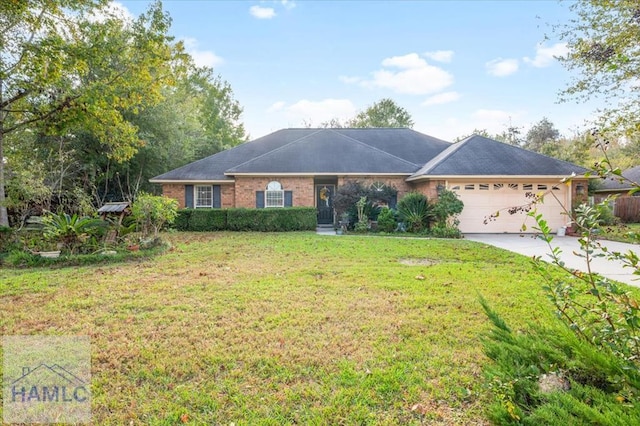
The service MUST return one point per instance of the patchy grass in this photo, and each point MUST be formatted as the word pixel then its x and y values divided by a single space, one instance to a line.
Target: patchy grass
pixel 625 233
pixel 295 328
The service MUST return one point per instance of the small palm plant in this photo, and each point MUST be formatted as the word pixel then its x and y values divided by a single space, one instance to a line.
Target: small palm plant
pixel 70 231
pixel 415 211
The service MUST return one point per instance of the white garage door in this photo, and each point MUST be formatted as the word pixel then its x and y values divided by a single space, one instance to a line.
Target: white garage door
pixel 481 200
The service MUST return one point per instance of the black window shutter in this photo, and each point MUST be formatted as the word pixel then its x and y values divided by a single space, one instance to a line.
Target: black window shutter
pixel 260 199
pixel 288 198
pixel 188 196
pixel 217 200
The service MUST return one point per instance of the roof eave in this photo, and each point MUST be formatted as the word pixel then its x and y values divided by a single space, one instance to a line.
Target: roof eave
pixel 191 181
pixel 441 177
pixel 257 174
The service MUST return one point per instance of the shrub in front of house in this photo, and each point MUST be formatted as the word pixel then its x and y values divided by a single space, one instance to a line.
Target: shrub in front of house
pixel 181 222
pixel 415 211
pixel 272 220
pixel 266 220
pixel 208 220
pixel 387 221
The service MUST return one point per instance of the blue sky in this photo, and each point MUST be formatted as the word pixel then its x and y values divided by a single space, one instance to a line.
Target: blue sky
pixel 454 65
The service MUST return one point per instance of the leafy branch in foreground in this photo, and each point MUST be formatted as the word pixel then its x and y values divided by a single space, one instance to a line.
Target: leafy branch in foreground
pixel 600 311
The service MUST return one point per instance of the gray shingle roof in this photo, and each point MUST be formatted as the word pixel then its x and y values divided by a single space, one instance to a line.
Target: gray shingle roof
pixel 477 155
pixel 329 151
pixel 369 151
pixel 317 151
pixel 613 183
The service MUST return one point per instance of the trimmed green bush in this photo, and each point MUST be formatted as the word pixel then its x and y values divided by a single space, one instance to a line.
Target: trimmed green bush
pixel 272 220
pixel 208 220
pixel 181 222
pixel 266 220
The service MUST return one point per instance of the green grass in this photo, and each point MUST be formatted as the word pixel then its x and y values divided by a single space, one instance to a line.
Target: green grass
pixel 625 232
pixel 296 328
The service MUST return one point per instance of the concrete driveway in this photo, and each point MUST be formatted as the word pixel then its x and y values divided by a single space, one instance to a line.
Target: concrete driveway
pixel 530 245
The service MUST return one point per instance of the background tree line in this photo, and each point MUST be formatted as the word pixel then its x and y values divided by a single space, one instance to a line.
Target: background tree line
pixel 93 104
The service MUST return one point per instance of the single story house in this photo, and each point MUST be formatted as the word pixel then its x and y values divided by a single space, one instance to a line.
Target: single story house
pixel 624 205
pixel 304 167
pixel 616 185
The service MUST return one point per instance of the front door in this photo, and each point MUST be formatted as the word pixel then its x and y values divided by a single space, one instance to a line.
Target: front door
pixel 324 201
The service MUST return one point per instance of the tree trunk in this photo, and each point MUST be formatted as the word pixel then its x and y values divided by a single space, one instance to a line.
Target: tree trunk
pixel 4 215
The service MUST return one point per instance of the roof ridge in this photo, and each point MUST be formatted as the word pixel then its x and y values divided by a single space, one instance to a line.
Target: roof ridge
pixel 373 148
pixel 435 161
pixel 275 150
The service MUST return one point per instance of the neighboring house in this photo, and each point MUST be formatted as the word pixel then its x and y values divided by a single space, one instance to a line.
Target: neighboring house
pixel 625 206
pixel 615 185
pixel 303 167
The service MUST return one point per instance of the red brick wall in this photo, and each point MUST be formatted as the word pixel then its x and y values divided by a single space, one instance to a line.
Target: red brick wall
pixel 428 188
pixel 228 195
pixel 175 191
pixel 579 199
pixel 302 188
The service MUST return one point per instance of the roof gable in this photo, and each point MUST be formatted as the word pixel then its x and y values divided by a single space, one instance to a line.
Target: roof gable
pixel 477 155
pixel 326 151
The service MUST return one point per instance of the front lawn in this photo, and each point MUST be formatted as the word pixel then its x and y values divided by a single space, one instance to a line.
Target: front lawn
pixel 255 328
pixel 624 232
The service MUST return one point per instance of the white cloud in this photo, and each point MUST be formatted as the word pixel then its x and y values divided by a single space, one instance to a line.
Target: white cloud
pixel 502 67
pixel 411 60
pixel 316 112
pixel 202 58
pixel 260 12
pixel 545 56
pixel 288 4
pixel 410 74
pixel 440 55
pixel 276 106
pixel 442 98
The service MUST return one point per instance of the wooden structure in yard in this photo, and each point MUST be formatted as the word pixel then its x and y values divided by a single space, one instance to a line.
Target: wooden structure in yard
pixel 117 210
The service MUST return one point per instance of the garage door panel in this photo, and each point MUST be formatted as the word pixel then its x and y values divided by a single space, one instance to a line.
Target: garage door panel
pixel 481 203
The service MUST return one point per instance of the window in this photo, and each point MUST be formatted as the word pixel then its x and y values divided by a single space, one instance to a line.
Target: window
pixel 455 188
pixel 556 188
pixel 513 186
pixel 527 187
pixel 274 195
pixel 204 196
pixel 469 187
pixel 497 186
pixel 542 187
pixel 483 187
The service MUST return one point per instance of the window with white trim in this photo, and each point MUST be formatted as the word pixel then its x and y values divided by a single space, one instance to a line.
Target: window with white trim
pixel 274 195
pixel 203 195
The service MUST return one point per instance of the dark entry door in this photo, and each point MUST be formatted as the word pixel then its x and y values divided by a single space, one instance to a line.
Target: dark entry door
pixel 324 201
